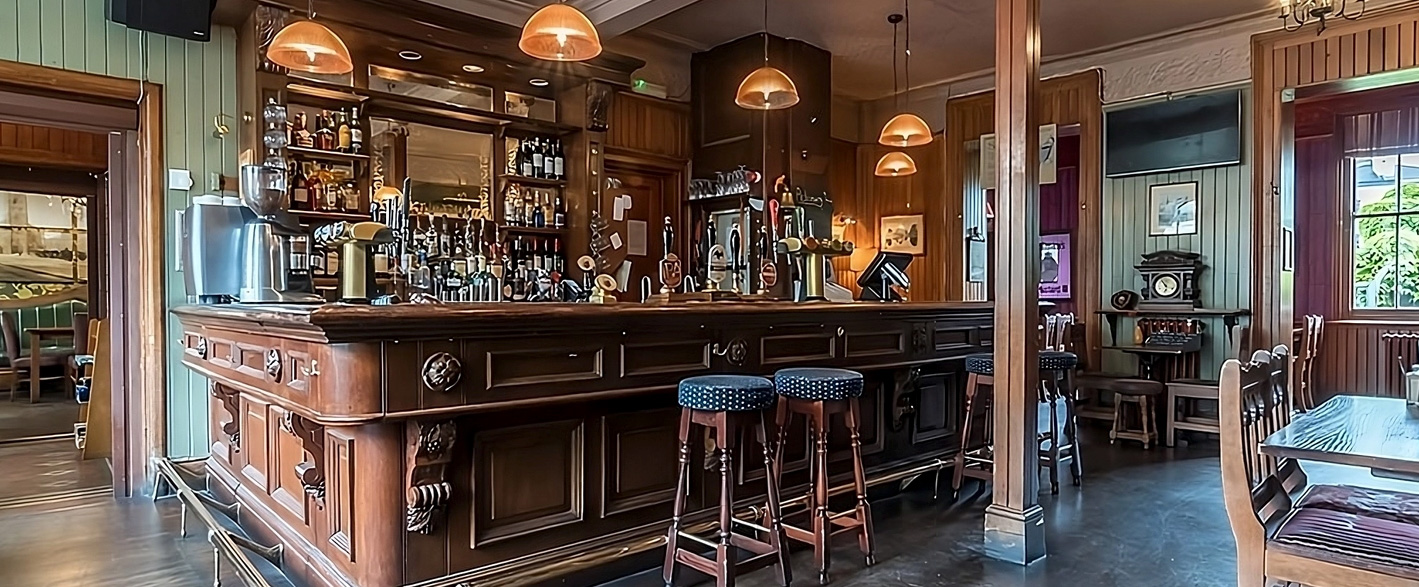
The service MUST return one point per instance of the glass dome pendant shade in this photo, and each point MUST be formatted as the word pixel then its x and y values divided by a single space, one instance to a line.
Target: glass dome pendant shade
pixel 306 45
pixel 766 88
pixel 559 32
pixel 895 164
pixel 905 130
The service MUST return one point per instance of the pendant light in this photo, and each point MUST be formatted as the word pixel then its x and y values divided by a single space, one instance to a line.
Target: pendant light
pixel 766 88
pixel 306 45
pixel 559 32
pixel 905 129
pixel 895 164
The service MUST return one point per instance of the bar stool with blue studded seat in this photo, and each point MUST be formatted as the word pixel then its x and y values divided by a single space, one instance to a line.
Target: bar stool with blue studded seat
pixel 818 393
pixel 1057 428
pixel 727 404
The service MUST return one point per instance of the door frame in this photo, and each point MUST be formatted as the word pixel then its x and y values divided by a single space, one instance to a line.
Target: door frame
pixel 136 235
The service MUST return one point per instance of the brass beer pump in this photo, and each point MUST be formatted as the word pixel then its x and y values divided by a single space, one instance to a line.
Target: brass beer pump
pixel 354 239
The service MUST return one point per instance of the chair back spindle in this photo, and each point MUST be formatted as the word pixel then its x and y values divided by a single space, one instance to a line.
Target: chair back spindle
pixel 1253 404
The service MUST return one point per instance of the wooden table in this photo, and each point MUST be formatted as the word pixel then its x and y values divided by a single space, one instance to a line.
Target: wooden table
pixel 1376 432
pixel 37 336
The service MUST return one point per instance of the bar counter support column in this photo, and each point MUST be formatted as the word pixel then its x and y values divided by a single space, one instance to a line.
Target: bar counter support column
pixel 1014 522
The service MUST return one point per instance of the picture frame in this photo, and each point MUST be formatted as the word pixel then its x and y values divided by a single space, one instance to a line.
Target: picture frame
pixel 902 234
pixel 1172 209
pixel 1055 262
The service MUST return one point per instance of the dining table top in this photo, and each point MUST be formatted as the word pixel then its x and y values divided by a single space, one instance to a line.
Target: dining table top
pixel 50 330
pixel 1379 433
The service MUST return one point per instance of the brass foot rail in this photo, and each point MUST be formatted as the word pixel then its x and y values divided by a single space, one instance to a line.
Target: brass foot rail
pixel 225 543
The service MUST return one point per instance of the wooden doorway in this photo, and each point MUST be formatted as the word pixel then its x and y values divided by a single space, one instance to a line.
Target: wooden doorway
pixel 129 112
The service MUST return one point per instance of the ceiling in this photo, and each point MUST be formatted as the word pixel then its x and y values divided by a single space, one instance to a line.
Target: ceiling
pixel 950 38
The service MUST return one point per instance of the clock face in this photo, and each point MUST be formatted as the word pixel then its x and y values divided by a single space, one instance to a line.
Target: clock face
pixel 1165 285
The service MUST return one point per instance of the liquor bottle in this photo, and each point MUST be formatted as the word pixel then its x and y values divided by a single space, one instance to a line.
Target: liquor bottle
pixel 315 190
pixel 559 215
pixel 342 132
pixel 525 158
pixel 537 157
pixel 357 134
pixel 559 160
pixel 332 261
pixel 445 237
pixel 560 260
pixel 512 205
pixel 300 132
pixel 549 161
pixel 526 216
pixel 300 192
pixel 539 213
pixel 351 197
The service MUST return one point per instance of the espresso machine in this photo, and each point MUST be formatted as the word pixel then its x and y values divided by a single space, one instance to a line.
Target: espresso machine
pixel 270 270
pixel 211 237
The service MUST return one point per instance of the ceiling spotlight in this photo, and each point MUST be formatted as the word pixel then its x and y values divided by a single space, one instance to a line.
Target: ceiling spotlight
pixel 470 68
pixel 408 55
pixel 539 82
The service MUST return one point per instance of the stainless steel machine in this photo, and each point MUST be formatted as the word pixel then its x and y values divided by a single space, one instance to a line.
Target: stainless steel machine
pixel 268 265
pixel 211 235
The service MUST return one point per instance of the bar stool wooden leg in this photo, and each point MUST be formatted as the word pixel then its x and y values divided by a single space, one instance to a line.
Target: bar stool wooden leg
pixel 1145 412
pixel 1118 419
pixel 1076 464
pixel 958 471
pixel 864 510
pixel 681 488
pixel 1055 440
pixel 724 553
pixel 777 539
pixel 822 523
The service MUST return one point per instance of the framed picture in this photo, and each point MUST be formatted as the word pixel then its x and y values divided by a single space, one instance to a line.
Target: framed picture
pixel 902 234
pixel 1172 209
pixel 1054 267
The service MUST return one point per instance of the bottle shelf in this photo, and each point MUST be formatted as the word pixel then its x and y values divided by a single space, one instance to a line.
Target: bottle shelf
pixel 533 230
pixel 322 155
pixel 322 215
pixel 535 181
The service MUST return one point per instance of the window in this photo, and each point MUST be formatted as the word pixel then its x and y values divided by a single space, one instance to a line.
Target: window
pixel 1385 231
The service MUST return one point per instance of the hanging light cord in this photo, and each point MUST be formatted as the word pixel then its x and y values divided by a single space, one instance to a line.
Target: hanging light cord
pixel 896 91
pixel 907 66
pixel 310 9
pixel 766 32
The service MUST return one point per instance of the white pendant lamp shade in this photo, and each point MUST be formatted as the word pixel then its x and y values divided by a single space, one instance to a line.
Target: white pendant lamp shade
pixel 306 45
pixel 905 130
pixel 766 88
pixel 895 164
pixel 559 32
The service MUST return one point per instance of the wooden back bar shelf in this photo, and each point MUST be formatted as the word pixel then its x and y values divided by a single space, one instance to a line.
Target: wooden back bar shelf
pixel 513 443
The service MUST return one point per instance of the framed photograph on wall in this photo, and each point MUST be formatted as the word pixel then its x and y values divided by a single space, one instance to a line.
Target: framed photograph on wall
pixel 1172 209
pixel 902 234
pixel 1054 267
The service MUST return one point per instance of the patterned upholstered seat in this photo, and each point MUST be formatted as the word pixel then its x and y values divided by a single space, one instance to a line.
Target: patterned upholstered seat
pixel 1375 544
pixel 984 363
pixel 818 384
pixel 1375 503
pixel 727 393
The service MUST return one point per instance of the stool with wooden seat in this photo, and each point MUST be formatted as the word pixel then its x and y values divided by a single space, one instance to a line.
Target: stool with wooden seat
pixel 1184 394
pixel 727 404
pixel 1130 391
pixel 818 393
pixel 1057 432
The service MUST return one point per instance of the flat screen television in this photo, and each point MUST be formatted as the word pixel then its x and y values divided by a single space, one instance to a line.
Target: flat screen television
pixel 1186 133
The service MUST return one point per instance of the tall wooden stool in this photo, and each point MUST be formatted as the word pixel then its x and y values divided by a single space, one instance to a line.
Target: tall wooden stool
pixel 818 393
pixel 727 404
pixel 1057 431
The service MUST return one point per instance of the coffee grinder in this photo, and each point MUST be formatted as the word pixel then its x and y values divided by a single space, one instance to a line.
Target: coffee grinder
pixel 266 250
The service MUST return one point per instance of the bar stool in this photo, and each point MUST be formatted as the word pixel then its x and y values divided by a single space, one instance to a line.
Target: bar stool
pixel 727 404
pixel 1057 437
pixel 818 393
pixel 1138 392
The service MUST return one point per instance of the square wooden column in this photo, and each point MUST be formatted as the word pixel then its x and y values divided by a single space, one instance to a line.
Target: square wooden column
pixel 1014 523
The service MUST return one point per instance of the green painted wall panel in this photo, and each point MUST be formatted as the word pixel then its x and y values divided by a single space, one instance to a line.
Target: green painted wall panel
pixel 1223 238
pixel 199 82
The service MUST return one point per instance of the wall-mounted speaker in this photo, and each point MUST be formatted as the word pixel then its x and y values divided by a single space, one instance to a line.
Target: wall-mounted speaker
pixel 186 19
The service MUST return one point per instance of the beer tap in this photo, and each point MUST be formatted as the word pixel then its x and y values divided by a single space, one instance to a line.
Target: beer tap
pixel 736 246
pixel 670 270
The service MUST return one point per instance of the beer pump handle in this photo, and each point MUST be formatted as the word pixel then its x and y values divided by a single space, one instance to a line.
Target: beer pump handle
pixel 668 236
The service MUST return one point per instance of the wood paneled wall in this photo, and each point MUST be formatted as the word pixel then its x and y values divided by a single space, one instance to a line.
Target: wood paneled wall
pixel 199 82
pixel 1382 42
pixel 62 148
pixel 1223 215
pixel 649 126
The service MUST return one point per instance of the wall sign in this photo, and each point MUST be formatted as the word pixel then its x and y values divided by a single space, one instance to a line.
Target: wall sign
pixel 1049 157
pixel 902 234
pixel 1054 267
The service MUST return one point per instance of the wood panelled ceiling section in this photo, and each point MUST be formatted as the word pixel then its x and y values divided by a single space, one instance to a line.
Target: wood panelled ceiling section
pixel 951 38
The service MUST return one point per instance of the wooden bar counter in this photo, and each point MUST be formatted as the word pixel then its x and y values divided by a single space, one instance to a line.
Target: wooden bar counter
pixel 506 444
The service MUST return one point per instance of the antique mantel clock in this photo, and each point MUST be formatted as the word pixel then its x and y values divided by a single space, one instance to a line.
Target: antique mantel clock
pixel 1170 280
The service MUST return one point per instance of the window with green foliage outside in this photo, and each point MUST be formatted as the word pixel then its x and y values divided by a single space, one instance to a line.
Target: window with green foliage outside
pixel 1385 210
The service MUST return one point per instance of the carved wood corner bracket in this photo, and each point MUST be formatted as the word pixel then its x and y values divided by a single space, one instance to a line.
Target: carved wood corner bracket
pixel 231 402
pixel 904 396
pixel 428 452
pixel 310 472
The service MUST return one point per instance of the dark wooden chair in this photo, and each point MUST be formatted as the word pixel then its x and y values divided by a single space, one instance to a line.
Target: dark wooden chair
pixel 1332 536
pixel 18 362
pixel 85 339
pixel 1311 338
pixel 1183 394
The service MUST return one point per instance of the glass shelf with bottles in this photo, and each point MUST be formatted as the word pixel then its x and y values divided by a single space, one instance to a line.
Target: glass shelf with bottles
pixel 535 160
pixel 531 209
pixel 324 190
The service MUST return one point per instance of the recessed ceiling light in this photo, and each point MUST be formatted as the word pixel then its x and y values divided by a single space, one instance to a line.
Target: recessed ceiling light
pixel 410 55
pixel 470 68
pixel 539 82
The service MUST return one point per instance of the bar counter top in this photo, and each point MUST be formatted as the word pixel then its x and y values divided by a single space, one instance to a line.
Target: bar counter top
pixel 511 444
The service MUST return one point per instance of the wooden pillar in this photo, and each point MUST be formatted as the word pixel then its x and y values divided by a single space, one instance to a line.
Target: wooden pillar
pixel 1014 523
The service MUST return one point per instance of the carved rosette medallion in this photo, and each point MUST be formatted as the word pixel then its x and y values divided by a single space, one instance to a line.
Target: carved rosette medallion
pixel 273 364
pixel 734 353
pixel 428 452
pixel 201 347
pixel 442 371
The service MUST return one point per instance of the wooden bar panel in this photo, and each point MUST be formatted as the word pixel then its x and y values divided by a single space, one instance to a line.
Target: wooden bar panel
pixel 647 125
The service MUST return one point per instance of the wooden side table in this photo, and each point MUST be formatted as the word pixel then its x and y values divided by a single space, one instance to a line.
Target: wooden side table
pixel 37 336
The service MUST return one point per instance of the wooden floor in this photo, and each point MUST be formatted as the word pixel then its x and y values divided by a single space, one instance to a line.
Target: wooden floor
pixel 54 413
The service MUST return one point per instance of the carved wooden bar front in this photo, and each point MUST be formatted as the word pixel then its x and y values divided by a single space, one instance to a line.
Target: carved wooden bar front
pixel 459 443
